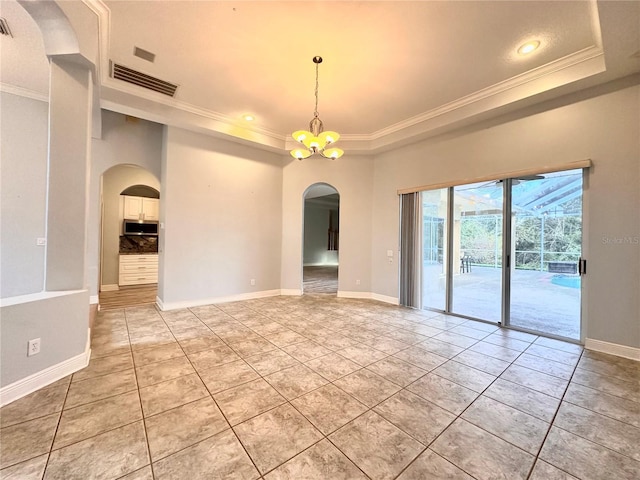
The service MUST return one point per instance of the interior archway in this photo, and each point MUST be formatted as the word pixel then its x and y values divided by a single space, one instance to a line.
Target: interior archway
pixel 119 180
pixel 321 239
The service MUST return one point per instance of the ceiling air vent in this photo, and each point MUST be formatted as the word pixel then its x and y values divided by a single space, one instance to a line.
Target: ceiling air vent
pixel 140 79
pixel 144 54
pixel 4 28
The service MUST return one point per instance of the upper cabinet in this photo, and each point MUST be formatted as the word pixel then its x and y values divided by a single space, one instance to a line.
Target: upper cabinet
pixel 141 208
pixel 150 209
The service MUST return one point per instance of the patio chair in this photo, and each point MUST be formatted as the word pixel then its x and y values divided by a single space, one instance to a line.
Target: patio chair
pixel 465 264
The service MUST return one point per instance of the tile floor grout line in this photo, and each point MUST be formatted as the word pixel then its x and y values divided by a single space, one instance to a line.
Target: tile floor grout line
pixel 144 424
pixel 53 438
pixel 217 406
pixel 289 402
pixel 553 421
pixel 600 392
pixel 358 342
pixel 459 416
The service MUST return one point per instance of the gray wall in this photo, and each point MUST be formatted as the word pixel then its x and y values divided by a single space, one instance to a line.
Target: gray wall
pixel 60 322
pixel 352 177
pixel 606 130
pixel 222 213
pixel 123 142
pixel 316 226
pixel 23 133
pixel 114 181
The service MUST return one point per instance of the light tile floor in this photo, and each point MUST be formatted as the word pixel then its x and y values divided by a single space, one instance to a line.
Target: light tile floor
pixel 317 387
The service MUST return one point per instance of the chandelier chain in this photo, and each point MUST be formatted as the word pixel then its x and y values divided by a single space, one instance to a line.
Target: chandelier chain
pixel 315 112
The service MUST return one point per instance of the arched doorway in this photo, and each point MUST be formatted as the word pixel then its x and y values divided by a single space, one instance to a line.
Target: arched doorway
pixel 120 184
pixel 321 239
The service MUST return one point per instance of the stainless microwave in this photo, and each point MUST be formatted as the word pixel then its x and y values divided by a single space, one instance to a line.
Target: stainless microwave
pixel 138 227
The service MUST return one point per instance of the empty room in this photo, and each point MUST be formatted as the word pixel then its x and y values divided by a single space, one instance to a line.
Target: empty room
pixel 319 240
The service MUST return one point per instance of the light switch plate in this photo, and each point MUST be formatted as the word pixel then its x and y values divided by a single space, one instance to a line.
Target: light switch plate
pixel 389 253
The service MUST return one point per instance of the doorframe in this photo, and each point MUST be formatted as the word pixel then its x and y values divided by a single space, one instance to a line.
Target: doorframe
pixel 304 198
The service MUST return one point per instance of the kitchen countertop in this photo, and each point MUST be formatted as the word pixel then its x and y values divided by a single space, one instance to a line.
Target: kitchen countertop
pixel 138 245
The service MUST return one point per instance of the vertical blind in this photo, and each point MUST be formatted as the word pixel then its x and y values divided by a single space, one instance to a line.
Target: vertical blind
pixel 410 243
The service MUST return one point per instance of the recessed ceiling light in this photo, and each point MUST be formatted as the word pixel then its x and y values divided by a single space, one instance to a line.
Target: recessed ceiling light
pixel 528 47
pixel 248 118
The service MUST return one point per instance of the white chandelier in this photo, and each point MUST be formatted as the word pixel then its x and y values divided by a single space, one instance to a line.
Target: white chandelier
pixel 316 140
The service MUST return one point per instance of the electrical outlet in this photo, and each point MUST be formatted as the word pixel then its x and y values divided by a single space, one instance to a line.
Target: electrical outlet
pixel 253 281
pixel 33 347
pixel 357 282
pixel 41 241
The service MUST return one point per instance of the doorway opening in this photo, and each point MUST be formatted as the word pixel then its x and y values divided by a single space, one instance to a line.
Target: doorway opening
pixel 321 240
pixel 130 195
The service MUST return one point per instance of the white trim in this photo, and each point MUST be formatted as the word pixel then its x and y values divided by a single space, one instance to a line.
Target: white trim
pixel 385 299
pixel 321 264
pixel 94 299
pixel 209 301
pixel 291 291
pixel 109 288
pixel 159 303
pixel 525 78
pixel 24 92
pixel 347 294
pixel 612 348
pixel 369 296
pixel 35 297
pixel 45 377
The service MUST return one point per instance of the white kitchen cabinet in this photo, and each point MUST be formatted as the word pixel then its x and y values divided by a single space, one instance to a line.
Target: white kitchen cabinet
pixel 141 208
pixel 138 269
pixel 150 208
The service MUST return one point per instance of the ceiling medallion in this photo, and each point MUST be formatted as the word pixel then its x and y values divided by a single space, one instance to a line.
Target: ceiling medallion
pixel 316 140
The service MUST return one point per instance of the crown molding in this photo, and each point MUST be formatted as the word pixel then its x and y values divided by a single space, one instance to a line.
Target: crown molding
pixel 23 92
pixel 124 98
pixel 556 66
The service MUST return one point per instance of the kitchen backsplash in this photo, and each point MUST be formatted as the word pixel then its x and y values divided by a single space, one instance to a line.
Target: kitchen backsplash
pixel 136 245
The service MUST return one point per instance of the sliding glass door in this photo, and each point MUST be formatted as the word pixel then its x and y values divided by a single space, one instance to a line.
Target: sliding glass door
pixel 477 251
pixel 546 244
pixel 506 251
pixel 434 249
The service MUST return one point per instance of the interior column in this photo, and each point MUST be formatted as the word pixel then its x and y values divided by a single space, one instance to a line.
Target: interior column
pixel 70 110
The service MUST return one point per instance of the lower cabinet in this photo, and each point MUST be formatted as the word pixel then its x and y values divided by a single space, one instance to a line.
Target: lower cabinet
pixel 138 269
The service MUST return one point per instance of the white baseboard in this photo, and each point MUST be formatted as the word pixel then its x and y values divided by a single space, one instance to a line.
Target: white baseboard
pixel 267 293
pixel 164 306
pixel 93 299
pixel 109 288
pixel 612 349
pixel 41 379
pixel 368 295
pixel 160 304
pixel 347 294
pixel 291 291
pixel 385 299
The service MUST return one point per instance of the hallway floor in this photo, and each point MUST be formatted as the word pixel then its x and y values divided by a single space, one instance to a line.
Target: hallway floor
pixel 129 296
pixel 322 279
pixel 316 387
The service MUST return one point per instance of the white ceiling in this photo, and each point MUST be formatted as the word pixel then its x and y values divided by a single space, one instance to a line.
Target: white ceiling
pixel 392 71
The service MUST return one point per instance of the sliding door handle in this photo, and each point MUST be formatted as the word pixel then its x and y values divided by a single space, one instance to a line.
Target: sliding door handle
pixel 582 266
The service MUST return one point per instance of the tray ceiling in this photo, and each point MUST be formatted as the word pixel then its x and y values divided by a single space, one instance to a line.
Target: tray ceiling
pixel 392 71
